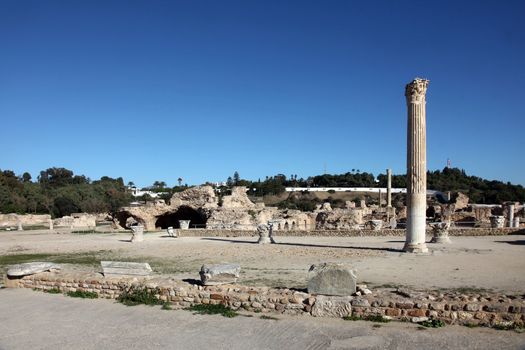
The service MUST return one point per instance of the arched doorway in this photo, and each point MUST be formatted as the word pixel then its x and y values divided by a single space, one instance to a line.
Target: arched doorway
pixel 197 219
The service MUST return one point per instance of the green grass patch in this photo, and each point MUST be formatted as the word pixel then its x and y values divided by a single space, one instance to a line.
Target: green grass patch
pixel 471 325
pixel 82 294
pixel 137 295
pixel 371 318
pixel 83 232
pixel 266 317
pixel 166 306
pixel 208 309
pixel 53 291
pixel 433 323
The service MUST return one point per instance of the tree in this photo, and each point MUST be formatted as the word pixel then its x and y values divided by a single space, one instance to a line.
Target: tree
pixel 236 178
pixel 26 177
pixel 159 184
pixel 179 180
pixel 131 184
pixel 229 182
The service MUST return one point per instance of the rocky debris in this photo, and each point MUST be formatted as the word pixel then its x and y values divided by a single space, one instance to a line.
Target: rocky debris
pixel 238 199
pixel 497 221
pixel 362 289
pixel 184 224
pixel 219 274
pixel 12 220
pixel 79 220
pixel 31 268
pixel 332 306
pixel 331 279
pixel 326 207
pixel 137 233
pixel 265 234
pixel 231 219
pixel 461 201
pixel 338 219
pixel 195 197
pixel 376 225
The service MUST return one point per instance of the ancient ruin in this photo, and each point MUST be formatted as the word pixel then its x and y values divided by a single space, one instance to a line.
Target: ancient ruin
pixel 416 166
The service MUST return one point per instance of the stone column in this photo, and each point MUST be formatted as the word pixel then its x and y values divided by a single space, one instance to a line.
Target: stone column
pixel 50 224
pixel 510 214
pixel 416 167
pixel 20 228
pixel 388 188
pixel 137 233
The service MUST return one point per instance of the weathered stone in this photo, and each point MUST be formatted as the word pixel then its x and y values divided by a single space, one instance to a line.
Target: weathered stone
pixel 332 306
pixel 331 279
pixel 30 268
pixel 172 232
pixel 137 233
pixel 440 232
pixel 219 274
pixel 184 224
pixel 265 233
pixel 118 268
pixel 376 225
pixel 497 221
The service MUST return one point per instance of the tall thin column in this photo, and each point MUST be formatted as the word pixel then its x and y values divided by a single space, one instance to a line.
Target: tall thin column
pixel 416 166
pixel 510 215
pixel 389 188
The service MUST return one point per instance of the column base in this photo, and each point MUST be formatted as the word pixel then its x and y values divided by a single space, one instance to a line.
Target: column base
pixel 415 248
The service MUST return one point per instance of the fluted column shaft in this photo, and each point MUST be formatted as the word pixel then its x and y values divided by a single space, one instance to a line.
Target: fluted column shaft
pixel 416 166
pixel 388 188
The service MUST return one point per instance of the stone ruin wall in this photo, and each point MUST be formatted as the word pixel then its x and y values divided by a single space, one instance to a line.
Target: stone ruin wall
pixel 237 212
pixel 467 308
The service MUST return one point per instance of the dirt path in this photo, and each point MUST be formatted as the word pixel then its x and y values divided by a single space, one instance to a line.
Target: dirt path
pixel 494 262
pixel 35 320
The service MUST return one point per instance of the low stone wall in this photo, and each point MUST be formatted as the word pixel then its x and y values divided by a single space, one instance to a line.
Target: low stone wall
pixel 468 308
pixel 347 233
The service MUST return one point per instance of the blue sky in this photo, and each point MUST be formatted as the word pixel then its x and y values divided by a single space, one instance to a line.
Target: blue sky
pixel 154 90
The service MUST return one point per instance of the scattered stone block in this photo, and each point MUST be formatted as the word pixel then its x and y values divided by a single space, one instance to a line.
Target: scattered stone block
pixel 212 275
pixel 332 306
pixel 331 279
pixel 31 268
pixel 121 268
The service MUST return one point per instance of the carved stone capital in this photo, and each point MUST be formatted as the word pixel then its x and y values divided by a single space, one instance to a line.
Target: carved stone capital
pixel 415 91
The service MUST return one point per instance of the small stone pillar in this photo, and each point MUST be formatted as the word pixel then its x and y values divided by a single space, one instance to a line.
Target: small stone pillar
pixel 497 221
pixel 516 222
pixel 20 228
pixel 50 224
pixel 388 188
pixel 137 233
pixel 265 233
pixel 184 224
pixel 172 232
pixel 510 215
pixel 416 166
pixel 440 232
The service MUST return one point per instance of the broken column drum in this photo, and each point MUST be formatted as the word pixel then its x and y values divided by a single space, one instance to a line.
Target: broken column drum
pixel 416 166
pixel 137 233
pixel 510 215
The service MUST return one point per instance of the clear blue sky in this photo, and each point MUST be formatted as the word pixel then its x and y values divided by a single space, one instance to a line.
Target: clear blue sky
pixel 154 90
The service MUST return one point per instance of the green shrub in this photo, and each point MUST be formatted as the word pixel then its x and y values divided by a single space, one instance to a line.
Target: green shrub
pixel 82 294
pixel 207 309
pixel 54 290
pixel 433 323
pixel 371 318
pixel 136 295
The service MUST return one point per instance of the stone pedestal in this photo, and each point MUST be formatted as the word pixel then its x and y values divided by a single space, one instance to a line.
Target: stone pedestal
pixel 440 232
pixel 50 224
pixel 20 228
pixel 265 234
pixel 497 221
pixel 184 224
pixel 137 233
pixel 516 222
pixel 376 225
pixel 172 232
pixel 416 167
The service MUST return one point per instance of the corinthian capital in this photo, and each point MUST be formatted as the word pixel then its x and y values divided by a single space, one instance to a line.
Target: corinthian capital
pixel 415 91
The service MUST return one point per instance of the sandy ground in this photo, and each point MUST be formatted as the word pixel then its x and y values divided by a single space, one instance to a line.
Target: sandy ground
pixel 35 320
pixel 492 262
